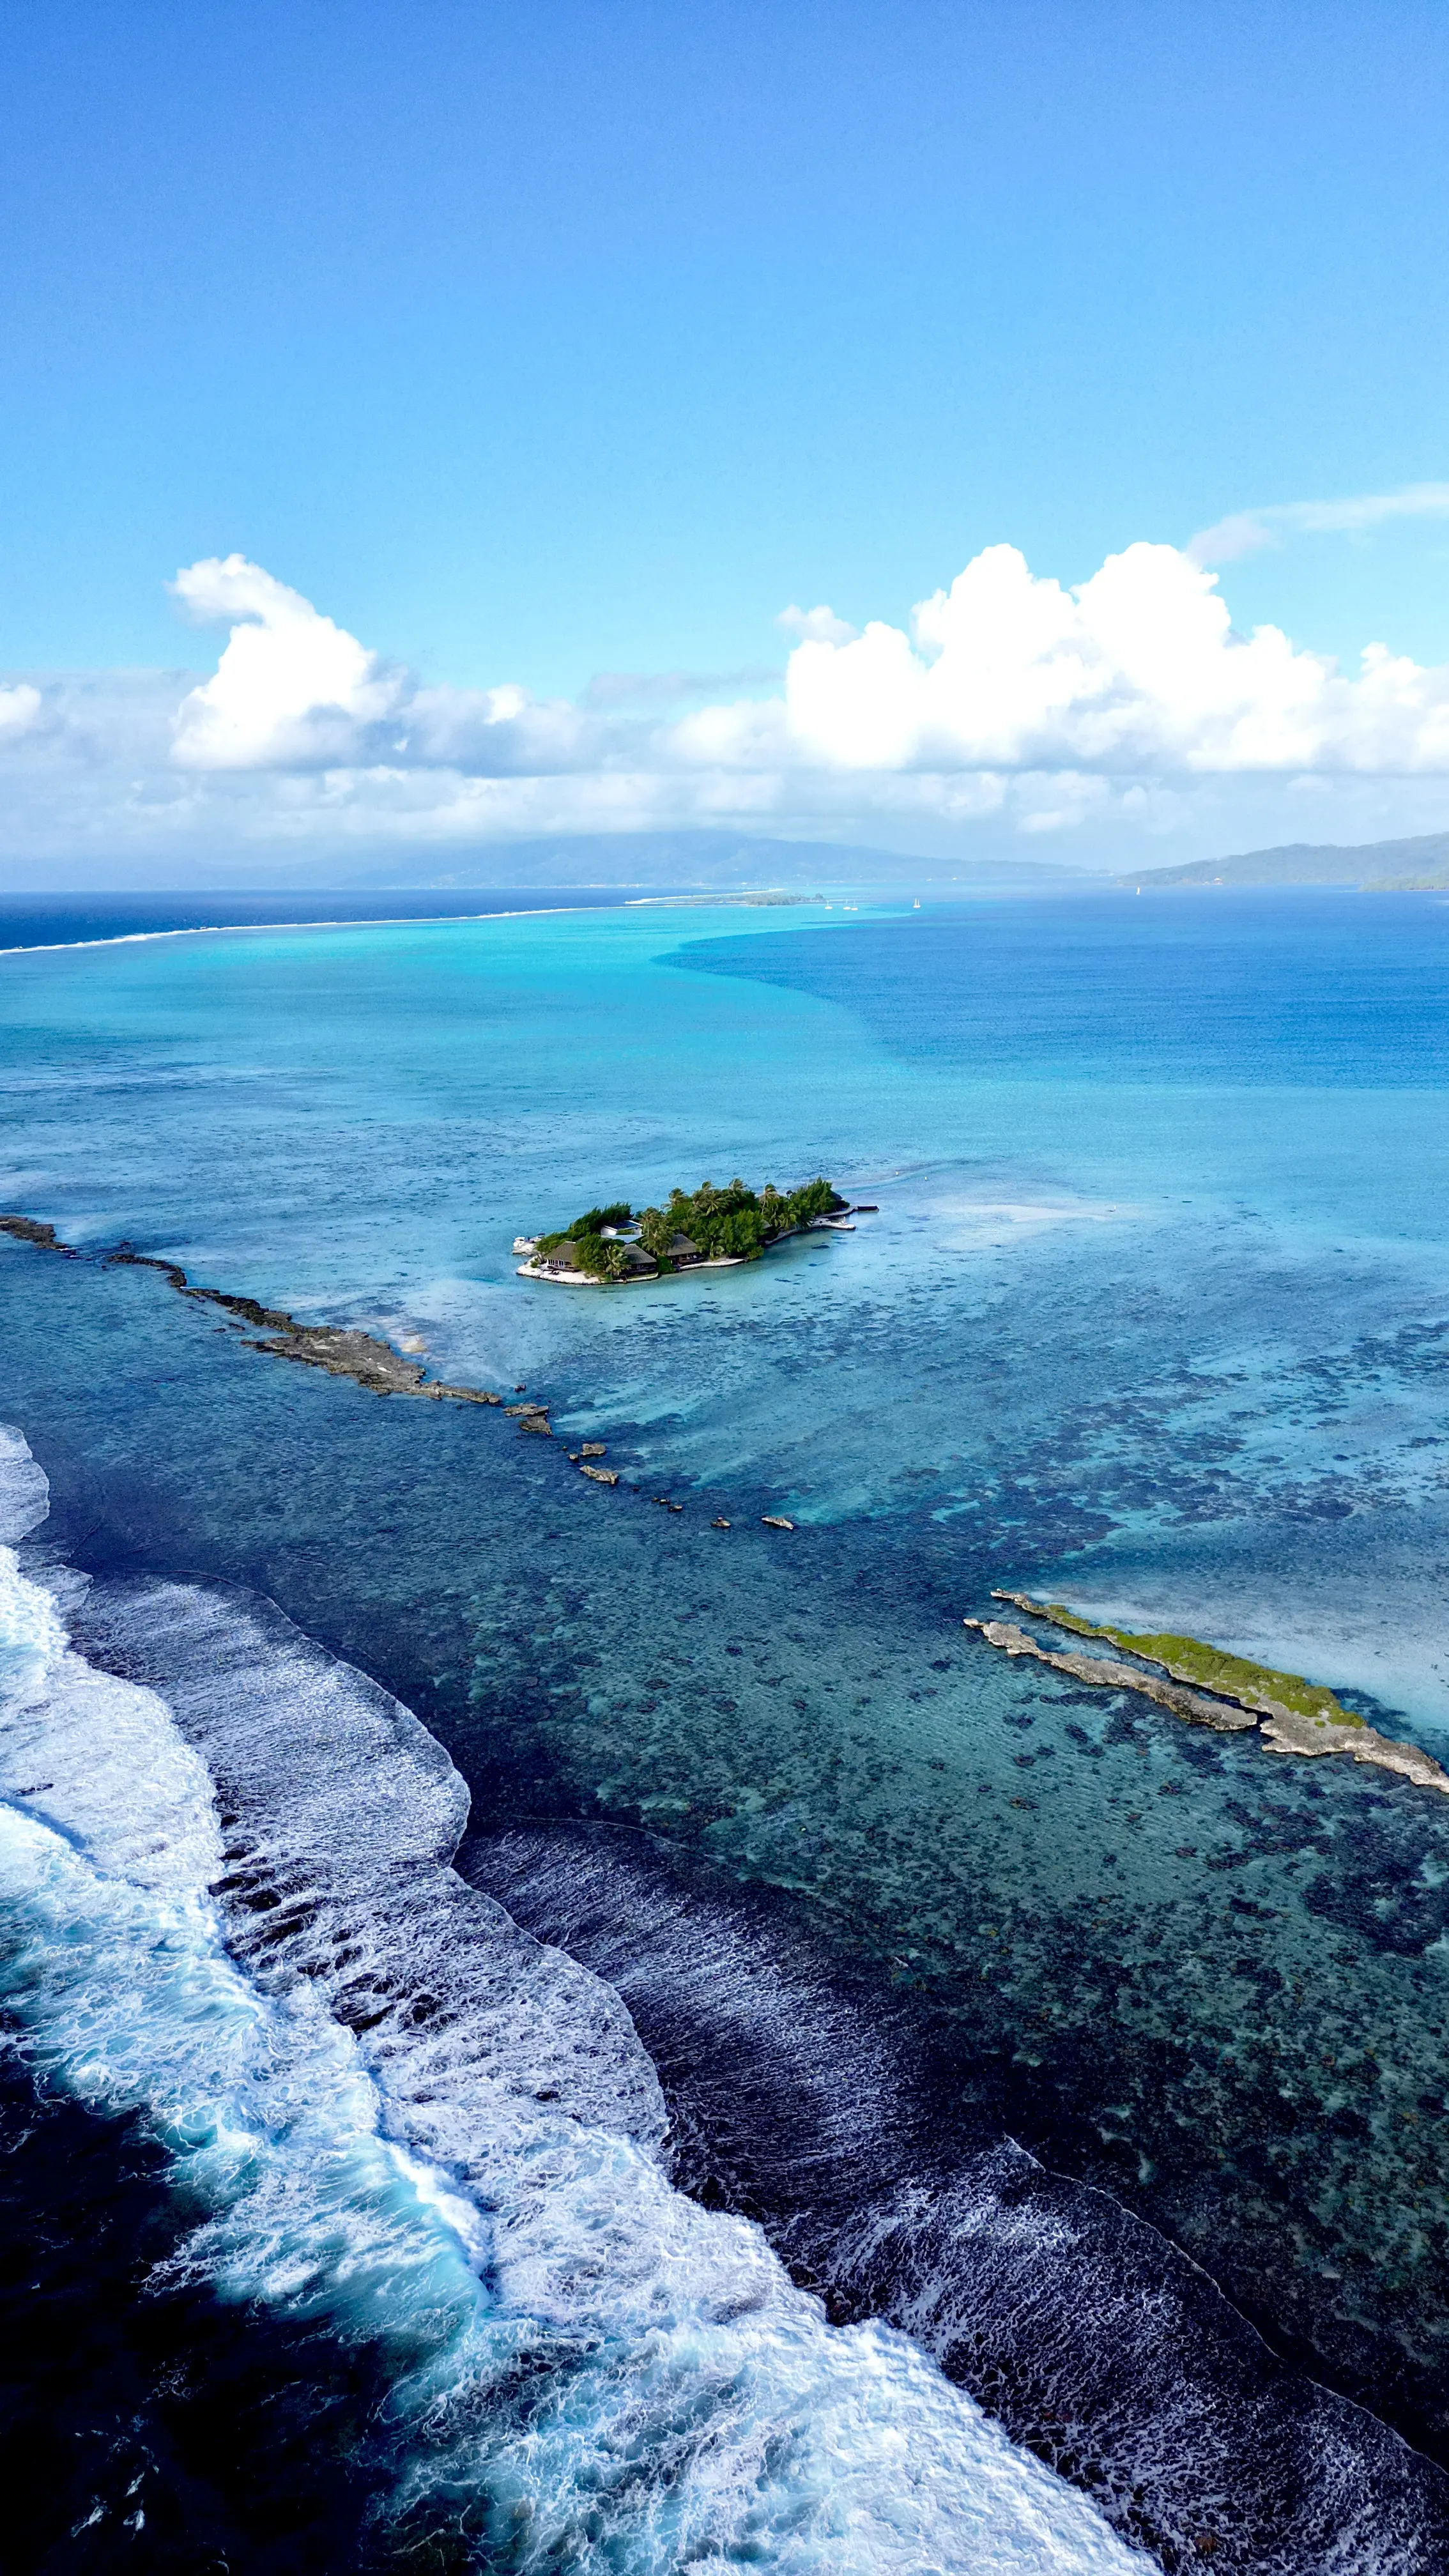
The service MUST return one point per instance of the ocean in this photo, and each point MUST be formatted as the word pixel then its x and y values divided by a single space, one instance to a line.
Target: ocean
pixel 544 2032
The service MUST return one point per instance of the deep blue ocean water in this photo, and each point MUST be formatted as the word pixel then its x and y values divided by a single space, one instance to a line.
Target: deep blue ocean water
pixel 1098 2060
pixel 69 920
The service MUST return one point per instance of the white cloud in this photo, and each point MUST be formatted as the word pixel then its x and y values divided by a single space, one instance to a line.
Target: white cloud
pixel 294 691
pixel 1139 669
pixel 19 711
pixel 1007 702
pixel 1247 532
pixel 291 687
pixel 498 732
pixel 816 625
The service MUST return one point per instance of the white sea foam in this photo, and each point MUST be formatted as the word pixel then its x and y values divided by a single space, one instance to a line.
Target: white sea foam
pixel 24 1492
pixel 405 2119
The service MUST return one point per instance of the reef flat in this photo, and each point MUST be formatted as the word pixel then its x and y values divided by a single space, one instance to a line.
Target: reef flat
pixel 1295 1716
pixel 1232 1695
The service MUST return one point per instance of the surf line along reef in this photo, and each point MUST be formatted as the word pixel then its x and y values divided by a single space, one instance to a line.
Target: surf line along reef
pixel 714 1229
pixel 1292 1715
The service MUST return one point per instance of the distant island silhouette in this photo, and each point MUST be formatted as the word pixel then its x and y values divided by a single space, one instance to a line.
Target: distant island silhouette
pixel 1415 866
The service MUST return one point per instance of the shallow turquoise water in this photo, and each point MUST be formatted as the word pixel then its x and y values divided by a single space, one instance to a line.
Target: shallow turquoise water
pixel 1152 1314
pixel 1162 1192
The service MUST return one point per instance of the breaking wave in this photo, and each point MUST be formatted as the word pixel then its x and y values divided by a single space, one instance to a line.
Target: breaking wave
pixel 229 1911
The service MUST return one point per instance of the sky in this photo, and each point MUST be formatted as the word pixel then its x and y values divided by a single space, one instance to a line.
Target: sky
pixel 427 424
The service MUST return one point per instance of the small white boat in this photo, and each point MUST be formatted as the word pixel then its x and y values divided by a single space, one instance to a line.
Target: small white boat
pixel 525 1243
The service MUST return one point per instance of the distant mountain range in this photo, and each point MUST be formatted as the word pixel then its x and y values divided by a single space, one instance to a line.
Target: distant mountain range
pixel 698 860
pixel 1397 866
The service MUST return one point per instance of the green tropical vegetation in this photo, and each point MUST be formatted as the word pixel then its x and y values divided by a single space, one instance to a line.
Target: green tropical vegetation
pixel 594 1219
pixel 1231 1676
pixel 734 1222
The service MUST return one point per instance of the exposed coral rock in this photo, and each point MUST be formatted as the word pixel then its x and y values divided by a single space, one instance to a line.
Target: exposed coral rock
pixel 1283 1730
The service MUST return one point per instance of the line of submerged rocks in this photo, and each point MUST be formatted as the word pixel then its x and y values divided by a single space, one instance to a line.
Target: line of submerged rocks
pixel 340 1350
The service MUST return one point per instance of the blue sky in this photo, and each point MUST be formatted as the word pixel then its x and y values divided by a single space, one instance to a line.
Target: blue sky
pixel 533 344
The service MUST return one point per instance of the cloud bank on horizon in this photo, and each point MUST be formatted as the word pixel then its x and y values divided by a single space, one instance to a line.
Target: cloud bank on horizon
pixel 1008 696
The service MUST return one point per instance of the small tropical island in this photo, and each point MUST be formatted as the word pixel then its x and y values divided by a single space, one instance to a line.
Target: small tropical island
pixel 716 1229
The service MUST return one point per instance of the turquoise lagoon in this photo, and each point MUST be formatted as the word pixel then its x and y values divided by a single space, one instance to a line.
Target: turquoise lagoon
pixel 1153 1316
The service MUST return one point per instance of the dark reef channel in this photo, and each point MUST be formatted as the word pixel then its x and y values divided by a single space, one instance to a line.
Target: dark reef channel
pixel 148 2428
pixel 881 1906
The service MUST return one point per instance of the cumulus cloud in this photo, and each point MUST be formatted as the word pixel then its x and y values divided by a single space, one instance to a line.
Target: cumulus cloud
pixel 1139 668
pixel 291 687
pixel 19 710
pixel 816 625
pixel 1247 532
pixel 294 691
pixel 1007 700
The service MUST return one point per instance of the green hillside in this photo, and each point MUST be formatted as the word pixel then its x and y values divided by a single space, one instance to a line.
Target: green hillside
pixel 1400 865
